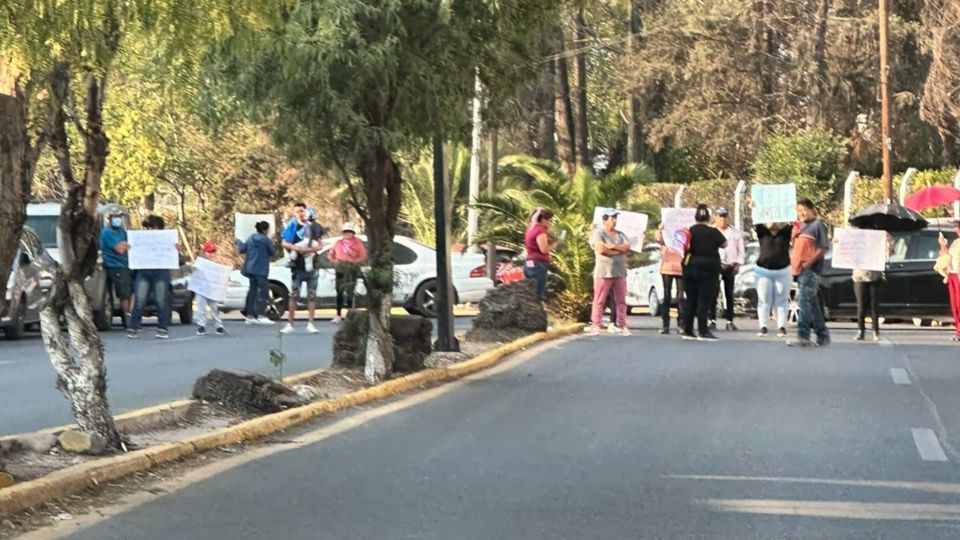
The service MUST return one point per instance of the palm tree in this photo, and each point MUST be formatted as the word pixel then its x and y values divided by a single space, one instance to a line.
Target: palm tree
pixel 531 183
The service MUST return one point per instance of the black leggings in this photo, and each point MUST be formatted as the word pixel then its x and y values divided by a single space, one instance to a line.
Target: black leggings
pixel 668 282
pixel 701 284
pixel 867 292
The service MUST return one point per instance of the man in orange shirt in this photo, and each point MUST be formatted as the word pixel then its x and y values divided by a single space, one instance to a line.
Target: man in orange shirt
pixel 810 244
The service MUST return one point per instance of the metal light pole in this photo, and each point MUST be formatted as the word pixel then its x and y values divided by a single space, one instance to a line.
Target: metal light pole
pixel 446 339
pixel 473 220
pixel 491 182
pixel 848 195
pixel 884 17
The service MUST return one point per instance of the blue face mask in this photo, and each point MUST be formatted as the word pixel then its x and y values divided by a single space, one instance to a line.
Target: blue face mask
pixel 116 222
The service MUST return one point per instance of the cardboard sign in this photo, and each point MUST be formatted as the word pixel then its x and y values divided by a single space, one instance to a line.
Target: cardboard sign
pixel 774 203
pixel 675 222
pixel 210 279
pixel 246 224
pixel 860 249
pixel 153 250
pixel 632 224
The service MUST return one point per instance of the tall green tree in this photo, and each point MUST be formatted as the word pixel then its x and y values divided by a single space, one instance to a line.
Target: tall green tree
pixel 351 84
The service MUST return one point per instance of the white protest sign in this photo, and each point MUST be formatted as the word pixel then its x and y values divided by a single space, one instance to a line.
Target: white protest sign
pixel 774 203
pixel 860 249
pixel 153 250
pixel 675 221
pixel 246 224
pixel 210 279
pixel 632 224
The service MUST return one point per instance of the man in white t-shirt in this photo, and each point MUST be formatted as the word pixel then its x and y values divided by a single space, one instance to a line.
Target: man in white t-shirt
pixel 732 258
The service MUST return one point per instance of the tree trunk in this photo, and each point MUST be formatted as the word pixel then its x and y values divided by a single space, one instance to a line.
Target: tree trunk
pixel 78 357
pixel 547 121
pixel 817 93
pixel 634 132
pixel 566 135
pixel 17 161
pixel 382 183
pixel 582 125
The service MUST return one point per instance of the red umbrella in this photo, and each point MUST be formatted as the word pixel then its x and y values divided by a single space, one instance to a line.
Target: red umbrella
pixel 932 197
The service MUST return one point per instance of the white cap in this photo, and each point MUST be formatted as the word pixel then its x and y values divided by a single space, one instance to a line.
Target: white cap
pixel 348 227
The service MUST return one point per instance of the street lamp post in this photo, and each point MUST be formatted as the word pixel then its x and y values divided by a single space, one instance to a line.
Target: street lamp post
pixel 446 339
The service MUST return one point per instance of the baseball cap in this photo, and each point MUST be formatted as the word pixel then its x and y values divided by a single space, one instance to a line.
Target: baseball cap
pixel 348 227
pixel 610 212
pixel 209 247
pixel 722 211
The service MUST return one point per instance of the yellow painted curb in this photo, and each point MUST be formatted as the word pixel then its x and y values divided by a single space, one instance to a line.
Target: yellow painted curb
pixel 79 477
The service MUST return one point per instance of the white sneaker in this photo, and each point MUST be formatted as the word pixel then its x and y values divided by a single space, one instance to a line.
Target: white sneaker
pixel 264 321
pixel 611 329
pixel 288 329
pixel 249 320
pixel 311 329
pixel 591 329
pixel 336 319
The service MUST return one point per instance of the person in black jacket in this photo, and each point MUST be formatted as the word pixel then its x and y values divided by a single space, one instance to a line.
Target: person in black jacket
pixel 701 273
pixel 773 278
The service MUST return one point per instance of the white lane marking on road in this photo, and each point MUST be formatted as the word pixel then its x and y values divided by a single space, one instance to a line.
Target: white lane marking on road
pixel 2 362
pixel 838 509
pixel 900 376
pixel 928 445
pixel 932 407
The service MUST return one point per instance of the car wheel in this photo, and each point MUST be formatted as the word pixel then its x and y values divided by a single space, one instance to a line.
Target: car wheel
pixel 278 300
pixel 103 317
pixel 424 300
pixel 16 330
pixel 186 311
pixel 653 300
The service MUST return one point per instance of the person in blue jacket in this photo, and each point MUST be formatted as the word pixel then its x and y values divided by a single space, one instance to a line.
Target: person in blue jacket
pixel 256 267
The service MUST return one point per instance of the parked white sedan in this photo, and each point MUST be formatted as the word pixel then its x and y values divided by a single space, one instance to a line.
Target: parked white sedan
pixel 414 289
pixel 644 283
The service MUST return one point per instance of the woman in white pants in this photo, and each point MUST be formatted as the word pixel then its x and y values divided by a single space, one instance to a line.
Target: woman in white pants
pixel 773 277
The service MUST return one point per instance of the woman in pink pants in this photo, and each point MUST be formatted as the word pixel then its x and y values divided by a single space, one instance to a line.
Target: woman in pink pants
pixel 610 273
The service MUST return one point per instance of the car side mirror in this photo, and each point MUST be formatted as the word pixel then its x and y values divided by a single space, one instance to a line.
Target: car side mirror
pixel 24 259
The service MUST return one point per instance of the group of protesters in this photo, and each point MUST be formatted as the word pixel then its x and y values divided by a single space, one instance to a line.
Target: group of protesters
pixel 694 264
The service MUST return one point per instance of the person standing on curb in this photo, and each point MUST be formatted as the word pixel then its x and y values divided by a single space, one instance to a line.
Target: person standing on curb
pixel 701 274
pixel 156 281
pixel 116 261
pixel 609 273
pixel 950 254
pixel 346 255
pixel 671 272
pixel 774 279
pixel 732 258
pixel 810 244
pixel 537 241
pixel 204 304
pixel 256 267
pixel 303 238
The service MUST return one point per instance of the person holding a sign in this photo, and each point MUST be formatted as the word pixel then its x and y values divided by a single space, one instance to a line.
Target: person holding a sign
pixel 610 273
pixel 157 282
pixel 774 279
pixel 810 244
pixel 671 272
pixel 539 246
pixel 205 304
pixel 701 274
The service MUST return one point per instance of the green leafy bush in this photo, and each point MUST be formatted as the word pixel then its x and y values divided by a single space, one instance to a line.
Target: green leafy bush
pixel 811 158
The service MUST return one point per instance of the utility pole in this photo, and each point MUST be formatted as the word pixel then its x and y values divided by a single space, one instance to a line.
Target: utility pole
pixel 884 17
pixel 491 182
pixel 473 220
pixel 446 339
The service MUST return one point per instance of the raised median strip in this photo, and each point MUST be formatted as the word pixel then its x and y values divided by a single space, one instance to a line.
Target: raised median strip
pixel 82 476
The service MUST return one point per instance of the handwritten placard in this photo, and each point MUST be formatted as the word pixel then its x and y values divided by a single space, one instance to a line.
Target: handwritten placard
pixel 774 203
pixel 860 249
pixel 632 224
pixel 675 223
pixel 153 250
pixel 210 279
pixel 246 224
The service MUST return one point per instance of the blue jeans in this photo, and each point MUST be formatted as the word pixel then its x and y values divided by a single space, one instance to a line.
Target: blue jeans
pixel 257 296
pixel 810 319
pixel 538 273
pixel 158 283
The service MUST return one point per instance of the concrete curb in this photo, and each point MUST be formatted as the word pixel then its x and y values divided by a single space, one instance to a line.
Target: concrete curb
pixel 79 477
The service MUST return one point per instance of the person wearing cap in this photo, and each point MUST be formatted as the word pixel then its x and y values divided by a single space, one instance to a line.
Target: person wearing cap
pixel 346 255
pixel 303 238
pixel 114 250
pixel 609 273
pixel 204 304
pixel 731 259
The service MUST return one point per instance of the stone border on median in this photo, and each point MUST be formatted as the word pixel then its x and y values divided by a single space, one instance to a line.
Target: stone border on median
pixel 74 479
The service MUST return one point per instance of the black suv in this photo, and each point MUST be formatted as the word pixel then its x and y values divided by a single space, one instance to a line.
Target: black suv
pixel 912 288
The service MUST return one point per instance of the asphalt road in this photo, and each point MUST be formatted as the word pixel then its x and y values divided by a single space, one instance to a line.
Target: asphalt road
pixel 148 371
pixel 612 437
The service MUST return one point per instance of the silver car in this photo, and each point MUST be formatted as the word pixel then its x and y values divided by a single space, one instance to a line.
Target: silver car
pixel 27 287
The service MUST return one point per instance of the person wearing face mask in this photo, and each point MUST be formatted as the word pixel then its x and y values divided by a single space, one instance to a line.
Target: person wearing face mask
pixel 116 264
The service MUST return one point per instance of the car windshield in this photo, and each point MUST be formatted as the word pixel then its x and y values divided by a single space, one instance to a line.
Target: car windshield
pixel 46 227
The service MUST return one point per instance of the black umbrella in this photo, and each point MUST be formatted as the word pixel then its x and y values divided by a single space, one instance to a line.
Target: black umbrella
pixel 888 217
